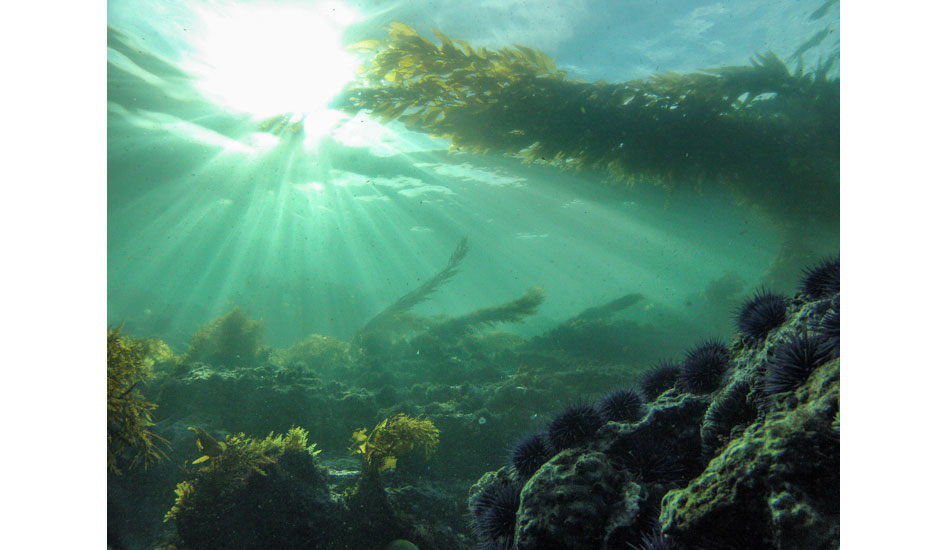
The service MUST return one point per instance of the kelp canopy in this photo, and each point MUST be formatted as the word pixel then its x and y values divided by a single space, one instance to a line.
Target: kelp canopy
pixel 769 133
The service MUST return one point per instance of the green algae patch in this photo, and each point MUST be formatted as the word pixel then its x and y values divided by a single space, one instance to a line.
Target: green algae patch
pixel 777 486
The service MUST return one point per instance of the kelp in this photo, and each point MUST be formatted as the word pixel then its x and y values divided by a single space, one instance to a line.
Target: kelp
pixel 316 352
pixel 372 518
pixel 596 336
pixel 129 414
pixel 231 340
pixel 420 293
pixel 822 10
pixel 510 312
pixel 394 437
pixel 227 464
pixel 608 309
pixel 447 340
pixel 768 133
pixel 812 42
pixel 380 330
pixel 387 333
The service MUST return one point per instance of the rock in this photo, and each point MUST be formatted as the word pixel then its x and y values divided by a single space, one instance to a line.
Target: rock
pixel 671 428
pixel 290 507
pixel 777 486
pixel 576 500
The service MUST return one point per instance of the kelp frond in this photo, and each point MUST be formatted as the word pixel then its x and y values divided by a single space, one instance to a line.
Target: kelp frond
pixel 129 414
pixel 419 294
pixel 228 463
pixel 510 312
pixel 394 437
pixel 822 10
pixel 770 134
pixel 295 441
pixel 183 491
pixel 608 309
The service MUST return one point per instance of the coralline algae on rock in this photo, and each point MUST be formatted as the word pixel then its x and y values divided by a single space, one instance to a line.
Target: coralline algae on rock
pixel 724 467
pixel 576 500
pixel 776 486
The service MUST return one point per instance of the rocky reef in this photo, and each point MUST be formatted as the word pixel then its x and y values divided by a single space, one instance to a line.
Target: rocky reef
pixel 734 445
pixel 750 460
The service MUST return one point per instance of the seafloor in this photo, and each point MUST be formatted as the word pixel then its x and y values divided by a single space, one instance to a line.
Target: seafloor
pixel 485 439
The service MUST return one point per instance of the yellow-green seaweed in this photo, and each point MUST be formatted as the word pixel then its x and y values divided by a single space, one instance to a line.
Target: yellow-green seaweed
pixel 228 463
pixel 769 134
pixel 129 414
pixel 231 340
pixel 393 437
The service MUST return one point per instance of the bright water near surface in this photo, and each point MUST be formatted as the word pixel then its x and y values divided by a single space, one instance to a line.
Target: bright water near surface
pixel 315 231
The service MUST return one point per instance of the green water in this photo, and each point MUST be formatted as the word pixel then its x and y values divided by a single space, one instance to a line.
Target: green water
pixel 316 233
pixel 312 219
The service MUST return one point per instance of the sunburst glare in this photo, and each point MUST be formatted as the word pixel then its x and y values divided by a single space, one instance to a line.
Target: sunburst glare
pixel 273 59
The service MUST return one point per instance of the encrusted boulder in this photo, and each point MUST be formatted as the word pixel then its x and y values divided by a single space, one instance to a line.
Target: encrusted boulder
pixel 665 445
pixel 576 500
pixel 289 507
pixel 777 486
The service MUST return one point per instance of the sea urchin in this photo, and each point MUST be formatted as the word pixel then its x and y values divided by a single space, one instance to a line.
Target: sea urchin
pixel 824 279
pixel 656 541
pixel 760 314
pixel 624 405
pixel 496 514
pixel 831 325
pixel 574 426
pixel 649 459
pixel 703 367
pixel 659 378
pixel 731 410
pixel 794 362
pixel 530 454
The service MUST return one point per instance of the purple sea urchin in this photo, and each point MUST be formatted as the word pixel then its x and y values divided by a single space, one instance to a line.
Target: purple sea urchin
pixel 574 426
pixel 648 459
pixel 761 313
pixel 530 454
pixel 794 362
pixel 823 280
pixel 731 411
pixel 496 514
pixel 831 326
pixel 656 541
pixel 659 378
pixel 623 405
pixel 703 367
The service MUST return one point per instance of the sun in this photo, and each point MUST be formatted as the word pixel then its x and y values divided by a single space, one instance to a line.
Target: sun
pixel 273 59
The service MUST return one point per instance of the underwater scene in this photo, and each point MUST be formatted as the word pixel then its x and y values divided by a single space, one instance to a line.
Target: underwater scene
pixel 397 275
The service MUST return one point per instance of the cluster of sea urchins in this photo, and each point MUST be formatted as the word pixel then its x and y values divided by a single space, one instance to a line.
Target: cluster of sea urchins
pixel 701 371
pixel 496 508
pixel 804 351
